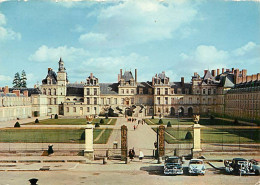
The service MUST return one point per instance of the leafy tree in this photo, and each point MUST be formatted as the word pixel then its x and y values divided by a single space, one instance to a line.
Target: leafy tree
pixel 97 125
pixel 188 135
pixel 160 121
pixel 56 116
pixel 23 79
pixel 101 121
pixel 169 124
pixel 17 124
pixel 17 80
pixel 36 121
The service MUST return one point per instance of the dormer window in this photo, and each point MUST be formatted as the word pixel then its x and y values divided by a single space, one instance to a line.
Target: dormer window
pixel 141 91
pixel 49 81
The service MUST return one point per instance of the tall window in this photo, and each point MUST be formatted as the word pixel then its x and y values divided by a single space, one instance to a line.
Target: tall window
pixel 204 91
pixel 132 100
pixel 87 109
pixel 122 101
pixel 166 100
pixel 44 91
pixel 49 101
pixel 55 92
pixel 209 91
pixel 108 101
pixel 88 101
pixel 166 91
pixel 95 91
pixel 74 109
pixel 190 100
pixel 141 91
pixel 158 101
pixel 132 91
pixel 158 91
pixel 115 101
pixel 55 101
pixel 88 91
pixel 122 91
pixel 102 101
pixel 49 91
pixel 68 109
pixel 95 101
pixel 127 91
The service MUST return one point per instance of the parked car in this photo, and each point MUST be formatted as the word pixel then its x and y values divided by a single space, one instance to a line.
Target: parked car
pixel 173 166
pixel 255 166
pixel 196 166
pixel 240 166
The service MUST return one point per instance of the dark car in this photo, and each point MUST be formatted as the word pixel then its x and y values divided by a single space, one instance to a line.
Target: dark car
pixel 173 166
pixel 239 166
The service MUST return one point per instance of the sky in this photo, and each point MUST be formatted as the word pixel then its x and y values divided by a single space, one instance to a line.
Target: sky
pixel 179 37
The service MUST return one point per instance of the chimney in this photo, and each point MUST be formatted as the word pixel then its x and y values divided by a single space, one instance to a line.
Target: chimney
pixel 258 76
pixel 244 72
pixel 182 81
pixel 195 73
pixel 135 75
pixel 25 93
pixel 118 78
pixel 121 71
pixel 233 70
pixel 205 71
pixel 236 73
pixel 153 81
pixel 254 77
pixel 17 92
pixel 217 71
pixel 6 90
pixel 213 72
pixel 49 69
pixel 223 70
pixel 227 70
pixel 91 75
pixel 35 86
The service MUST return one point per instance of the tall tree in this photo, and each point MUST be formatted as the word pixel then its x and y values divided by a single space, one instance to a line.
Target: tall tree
pixel 17 80
pixel 23 79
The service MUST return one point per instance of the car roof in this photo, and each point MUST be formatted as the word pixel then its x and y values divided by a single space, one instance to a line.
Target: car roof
pixel 173 157
pixel 239 159
pixel 196 160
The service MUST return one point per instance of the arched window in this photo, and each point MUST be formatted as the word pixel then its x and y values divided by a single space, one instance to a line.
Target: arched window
pixel 68 99
pixel 55 92
pixel 44 91
pixel 49 92
pixel 75 99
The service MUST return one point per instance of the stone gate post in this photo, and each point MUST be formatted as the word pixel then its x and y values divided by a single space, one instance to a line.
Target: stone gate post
pixel 124 143
pixel 89 147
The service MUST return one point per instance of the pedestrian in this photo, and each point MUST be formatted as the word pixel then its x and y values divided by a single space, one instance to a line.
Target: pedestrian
pixel 134 127
pixel 131 154
pixel 141 155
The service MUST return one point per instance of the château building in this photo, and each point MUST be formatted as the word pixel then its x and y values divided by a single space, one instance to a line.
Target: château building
pixel 230 92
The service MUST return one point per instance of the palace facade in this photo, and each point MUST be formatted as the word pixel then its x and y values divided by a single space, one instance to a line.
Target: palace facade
pixel 230 92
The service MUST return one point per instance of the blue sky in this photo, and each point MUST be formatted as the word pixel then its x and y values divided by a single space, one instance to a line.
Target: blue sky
pixel 178 37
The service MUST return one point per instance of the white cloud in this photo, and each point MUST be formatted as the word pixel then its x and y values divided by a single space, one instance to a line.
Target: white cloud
pixel 92 38
pixel 205 57
pixel 77 28
pixel 5 79
pixel 107 68
pixel 7 33
pixel 46 54
pixel 244 49
pixel 136 21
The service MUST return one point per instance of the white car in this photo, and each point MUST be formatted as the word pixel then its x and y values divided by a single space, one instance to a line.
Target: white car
pixel 196 166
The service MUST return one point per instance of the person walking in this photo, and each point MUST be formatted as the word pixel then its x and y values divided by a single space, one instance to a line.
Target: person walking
pixel 141 155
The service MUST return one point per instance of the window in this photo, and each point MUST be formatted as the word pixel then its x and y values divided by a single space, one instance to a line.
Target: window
pixel 172 101
pixel 55 92
pixel 122 101
pixel 204 91
pixel 94 82
pixel 87 109
pixel 49 110
pixel 49 91
pixel 166 100
pixel 167 110
pixel 166 91
pixel 214 91
pixel 122 91
pixel 198 100
pixel 115 101
pixel 88 91
pixel 209 91
pixel 95 91
pixel 158 91
pixel 127 91
pixel 132 91
pixel 55 101
pixel 88 101
pixel 159 110
pixel 68 109
pixel 158 101
pixel 74 109
pixel 190 100
pixel 132 100
pixel 49 101
pixel 95 101
pixel 108 101
pixel 102 101
pixel 141 91
pixel 44 91
pixel 150 91
pixel 181 100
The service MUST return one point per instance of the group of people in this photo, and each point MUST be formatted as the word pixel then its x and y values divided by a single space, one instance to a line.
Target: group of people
pixel 132 154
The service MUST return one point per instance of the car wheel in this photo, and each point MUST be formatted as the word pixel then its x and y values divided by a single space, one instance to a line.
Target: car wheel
pixel 257 172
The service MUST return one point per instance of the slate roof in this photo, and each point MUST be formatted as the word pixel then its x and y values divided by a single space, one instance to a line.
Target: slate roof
pixel 108 88
pixel 227 80
pixel 51 74
pixel 7 94
pixel 30 90
pixel 145 86
pixel 75 89
pixel 127 76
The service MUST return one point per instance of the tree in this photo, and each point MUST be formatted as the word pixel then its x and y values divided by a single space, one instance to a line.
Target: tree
pixel 17 124
pixel 23 79
pixel 188 135
pixel 160 121
pixel 17 80
pixel 169 124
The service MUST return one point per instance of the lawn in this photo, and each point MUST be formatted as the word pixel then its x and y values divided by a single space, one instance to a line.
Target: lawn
pixel 80 121
pixel 173 121
pixel 212 135
pixel 51 135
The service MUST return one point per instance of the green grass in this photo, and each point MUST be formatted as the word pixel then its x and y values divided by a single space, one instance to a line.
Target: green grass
pixel 217 122
pixel 212 135
pixel 50 135
pixel 173 121
pixel 80 121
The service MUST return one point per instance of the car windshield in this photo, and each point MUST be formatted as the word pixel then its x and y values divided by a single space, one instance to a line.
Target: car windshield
pixel 172 160
pixel 196 162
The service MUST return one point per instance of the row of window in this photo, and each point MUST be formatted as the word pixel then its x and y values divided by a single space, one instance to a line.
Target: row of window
pixel 95 91
pixel 180 101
